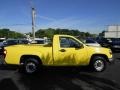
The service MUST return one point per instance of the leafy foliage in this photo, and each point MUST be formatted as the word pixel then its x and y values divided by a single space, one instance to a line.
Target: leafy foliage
pixel 50 32
pixel 6 33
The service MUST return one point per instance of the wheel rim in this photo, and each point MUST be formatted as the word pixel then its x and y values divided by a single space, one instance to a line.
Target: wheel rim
pixel 99 65
pixel 31 67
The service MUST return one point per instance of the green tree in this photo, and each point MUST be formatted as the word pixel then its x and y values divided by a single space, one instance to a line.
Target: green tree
pixel 50 32
pixel 7 33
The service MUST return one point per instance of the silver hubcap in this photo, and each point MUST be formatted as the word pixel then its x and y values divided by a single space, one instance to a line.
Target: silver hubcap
pixel 30 67
pixel 99 65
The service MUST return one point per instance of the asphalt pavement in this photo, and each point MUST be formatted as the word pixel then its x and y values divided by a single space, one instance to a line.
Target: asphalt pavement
pixel 62 79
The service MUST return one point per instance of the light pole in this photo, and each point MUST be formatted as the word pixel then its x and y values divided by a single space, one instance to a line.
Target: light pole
pixel 33 18
pixel 33 22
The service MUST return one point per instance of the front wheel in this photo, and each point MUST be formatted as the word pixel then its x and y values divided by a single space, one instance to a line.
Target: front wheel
pixel 98 63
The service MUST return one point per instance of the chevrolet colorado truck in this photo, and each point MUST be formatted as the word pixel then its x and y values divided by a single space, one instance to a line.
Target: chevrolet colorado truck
pixel 65 50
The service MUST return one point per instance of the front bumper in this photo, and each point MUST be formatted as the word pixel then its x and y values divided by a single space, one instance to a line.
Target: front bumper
pixel 116 48
pixel 111 60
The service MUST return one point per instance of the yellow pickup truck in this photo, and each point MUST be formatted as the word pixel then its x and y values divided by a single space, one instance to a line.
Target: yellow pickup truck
pixel 64 50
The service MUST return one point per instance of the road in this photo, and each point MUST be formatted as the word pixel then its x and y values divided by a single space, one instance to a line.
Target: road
pixel 52 79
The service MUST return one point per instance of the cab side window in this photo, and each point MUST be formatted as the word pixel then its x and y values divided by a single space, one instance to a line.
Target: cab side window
pixel 66 42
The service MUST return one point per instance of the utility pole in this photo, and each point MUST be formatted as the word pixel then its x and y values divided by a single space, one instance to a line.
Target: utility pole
pixel 33 22
pixel 33 18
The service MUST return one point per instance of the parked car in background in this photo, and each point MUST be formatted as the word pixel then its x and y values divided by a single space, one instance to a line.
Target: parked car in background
pixel 115 44
pixel 39 41
pixel 104 42
pixel 2 39
pixel 1 42
pixel 112 43
pixel 91 42
pixel 9 42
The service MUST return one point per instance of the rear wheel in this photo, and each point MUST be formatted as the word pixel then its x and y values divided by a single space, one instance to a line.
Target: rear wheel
pixel 98 63
pixel 31 66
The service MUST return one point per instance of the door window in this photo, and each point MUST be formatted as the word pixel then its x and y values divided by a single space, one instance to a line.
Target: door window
pixel 66 42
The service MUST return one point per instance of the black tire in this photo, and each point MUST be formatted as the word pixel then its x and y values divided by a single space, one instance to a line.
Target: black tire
pixel 31 66
pixel 98 63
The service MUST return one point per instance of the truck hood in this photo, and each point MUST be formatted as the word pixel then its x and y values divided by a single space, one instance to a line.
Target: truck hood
pixel 98 49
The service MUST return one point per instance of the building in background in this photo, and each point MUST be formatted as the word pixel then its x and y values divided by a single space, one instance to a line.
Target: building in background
pixel 113 31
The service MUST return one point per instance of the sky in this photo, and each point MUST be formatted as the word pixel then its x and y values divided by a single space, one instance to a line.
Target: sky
pixel 85 15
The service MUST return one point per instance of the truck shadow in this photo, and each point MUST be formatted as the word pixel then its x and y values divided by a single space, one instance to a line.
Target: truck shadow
pixel 59 79
pixel 8 67
pixel 7 84
pixel 67 80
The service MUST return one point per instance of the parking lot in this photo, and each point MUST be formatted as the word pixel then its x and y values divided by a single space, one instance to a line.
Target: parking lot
pixel 62 79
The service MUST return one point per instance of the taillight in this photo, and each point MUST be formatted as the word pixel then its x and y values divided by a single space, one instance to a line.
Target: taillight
pixel 5 52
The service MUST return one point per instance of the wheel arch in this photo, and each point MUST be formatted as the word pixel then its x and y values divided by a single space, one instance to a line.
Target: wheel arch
pixel 23 57
pixel 102 55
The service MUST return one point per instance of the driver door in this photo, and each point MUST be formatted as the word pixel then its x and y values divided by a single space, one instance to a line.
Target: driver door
pixel 70 52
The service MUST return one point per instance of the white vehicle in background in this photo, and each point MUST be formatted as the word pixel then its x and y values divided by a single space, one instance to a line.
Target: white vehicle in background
pixel 2 39
pixel 91 42
pixel 39 41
